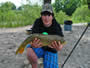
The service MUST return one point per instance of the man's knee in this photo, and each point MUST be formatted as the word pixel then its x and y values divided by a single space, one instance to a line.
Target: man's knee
pixel 31 56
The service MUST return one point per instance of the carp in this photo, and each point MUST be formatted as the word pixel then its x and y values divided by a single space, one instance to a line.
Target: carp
pixel 45 39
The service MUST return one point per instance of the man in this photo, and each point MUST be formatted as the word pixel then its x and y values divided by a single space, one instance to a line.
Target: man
pixel 46 23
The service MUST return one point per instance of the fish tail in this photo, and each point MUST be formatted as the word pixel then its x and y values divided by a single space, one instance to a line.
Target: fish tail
pixel 20 50
pixel 23 45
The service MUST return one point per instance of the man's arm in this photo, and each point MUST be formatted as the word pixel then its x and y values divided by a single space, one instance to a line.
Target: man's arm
pixel 57 45
pixel 35 29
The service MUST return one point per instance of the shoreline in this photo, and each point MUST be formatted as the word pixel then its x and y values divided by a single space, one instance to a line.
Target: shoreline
pixel 22 29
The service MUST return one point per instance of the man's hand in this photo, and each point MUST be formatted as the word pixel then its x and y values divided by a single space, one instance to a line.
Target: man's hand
pixel 36 43
pixel 56 45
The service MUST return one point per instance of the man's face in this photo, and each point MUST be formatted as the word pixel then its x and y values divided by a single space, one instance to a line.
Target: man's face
pixel 47 19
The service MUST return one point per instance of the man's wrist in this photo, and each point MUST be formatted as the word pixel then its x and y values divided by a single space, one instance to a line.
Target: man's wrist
pixel 29 46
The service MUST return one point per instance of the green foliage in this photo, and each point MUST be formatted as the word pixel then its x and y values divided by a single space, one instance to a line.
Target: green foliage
pixel 7 6
pixel 68 6
pixel 84 2
pixel 15 18
pixel 61 17
pixel 27 14
pixel 31 13
pixel 82 14
pixel 88 2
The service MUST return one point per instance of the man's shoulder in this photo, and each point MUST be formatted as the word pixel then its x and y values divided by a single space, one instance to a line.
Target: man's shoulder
pixel 55 22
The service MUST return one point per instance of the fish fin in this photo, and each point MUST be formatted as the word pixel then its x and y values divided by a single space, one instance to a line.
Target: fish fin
pixel 20 51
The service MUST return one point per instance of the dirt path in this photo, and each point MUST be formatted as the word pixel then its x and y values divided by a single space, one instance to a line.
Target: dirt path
pixel 11 39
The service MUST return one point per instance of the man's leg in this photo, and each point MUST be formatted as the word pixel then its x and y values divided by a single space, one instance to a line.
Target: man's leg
pixel 33 54
pixel 50 60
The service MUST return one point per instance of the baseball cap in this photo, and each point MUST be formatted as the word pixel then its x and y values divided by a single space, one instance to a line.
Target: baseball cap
pixel 47 7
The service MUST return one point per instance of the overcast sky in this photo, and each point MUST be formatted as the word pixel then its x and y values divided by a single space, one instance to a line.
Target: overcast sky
pixel 19 2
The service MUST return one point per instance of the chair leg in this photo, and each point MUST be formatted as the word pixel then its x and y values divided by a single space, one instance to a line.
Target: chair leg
pixel 40 63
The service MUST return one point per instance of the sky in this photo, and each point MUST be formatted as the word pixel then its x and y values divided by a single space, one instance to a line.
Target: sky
pixel 19 2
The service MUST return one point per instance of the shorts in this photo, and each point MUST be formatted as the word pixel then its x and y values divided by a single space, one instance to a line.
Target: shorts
pixel 50 60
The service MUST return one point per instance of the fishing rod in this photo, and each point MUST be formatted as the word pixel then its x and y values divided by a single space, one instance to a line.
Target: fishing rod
pixel 75 45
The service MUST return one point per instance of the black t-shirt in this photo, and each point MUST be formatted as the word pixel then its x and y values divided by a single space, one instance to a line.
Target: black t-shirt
pixel 54 29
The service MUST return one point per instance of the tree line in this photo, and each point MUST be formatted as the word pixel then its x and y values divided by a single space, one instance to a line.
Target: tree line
pixel 76 10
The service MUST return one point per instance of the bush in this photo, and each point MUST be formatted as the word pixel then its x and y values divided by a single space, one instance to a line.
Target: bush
pixel 82 14
pixel 16 18
pixel 61 17
pixel 31 14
